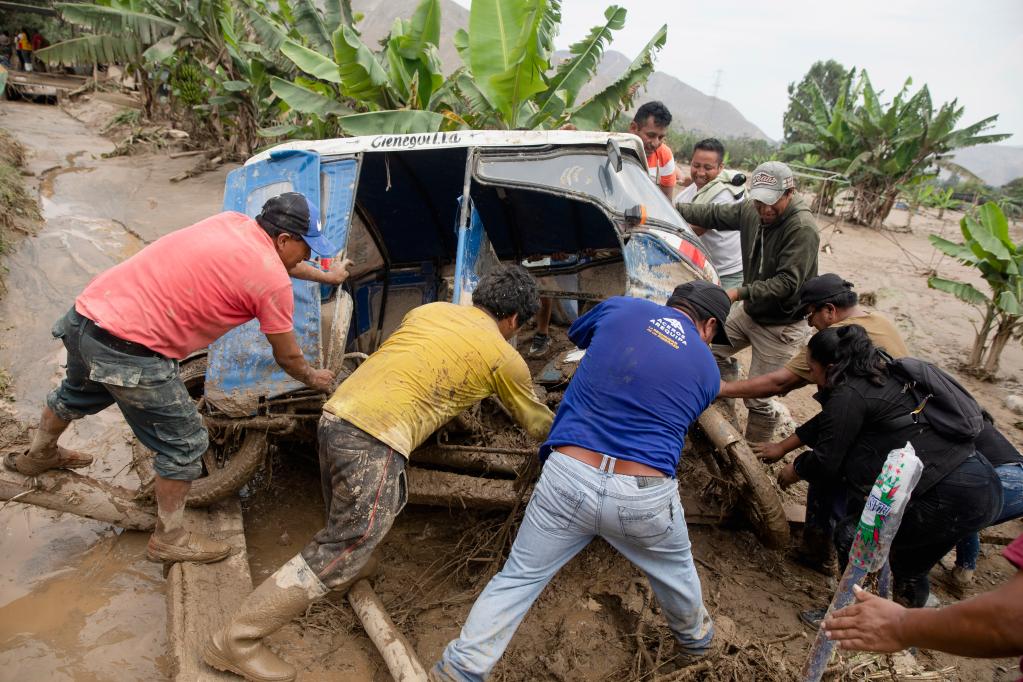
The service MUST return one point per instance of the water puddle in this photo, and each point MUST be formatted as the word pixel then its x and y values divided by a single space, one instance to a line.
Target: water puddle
pixel 78 600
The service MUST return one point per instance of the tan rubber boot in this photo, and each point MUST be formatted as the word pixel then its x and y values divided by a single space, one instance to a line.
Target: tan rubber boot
pixel 239 648
pixel 170 542
pixel 760 428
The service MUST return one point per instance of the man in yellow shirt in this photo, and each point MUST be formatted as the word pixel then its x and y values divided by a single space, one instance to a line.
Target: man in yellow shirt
pixel 443 359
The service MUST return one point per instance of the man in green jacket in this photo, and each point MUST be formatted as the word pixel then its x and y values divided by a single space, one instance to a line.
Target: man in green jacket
pixel 779 252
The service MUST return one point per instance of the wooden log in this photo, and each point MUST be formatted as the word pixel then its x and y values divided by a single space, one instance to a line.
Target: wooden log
pixel 763 504
pixel 460 491
pixel 398 654
pixel 482 462
pixel 443 489
pixel 66 491
pixel 202 597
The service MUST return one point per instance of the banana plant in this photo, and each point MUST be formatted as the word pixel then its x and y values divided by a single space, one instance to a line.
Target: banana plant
pixel 507 80
pixel 884 146
pixel 987 247
pixel 344 78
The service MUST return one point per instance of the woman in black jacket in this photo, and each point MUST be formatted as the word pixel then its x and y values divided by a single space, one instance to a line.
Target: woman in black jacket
pixel 862 420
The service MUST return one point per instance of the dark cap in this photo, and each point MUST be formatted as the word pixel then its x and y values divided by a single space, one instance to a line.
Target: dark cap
pixel 708 299
pixel 295 214
pixel 821 288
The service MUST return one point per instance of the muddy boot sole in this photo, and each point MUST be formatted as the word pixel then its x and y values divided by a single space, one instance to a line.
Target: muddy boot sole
pixel 215 659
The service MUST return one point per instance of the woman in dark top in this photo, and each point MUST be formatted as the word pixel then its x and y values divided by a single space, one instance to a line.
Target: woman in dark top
pixel 862 420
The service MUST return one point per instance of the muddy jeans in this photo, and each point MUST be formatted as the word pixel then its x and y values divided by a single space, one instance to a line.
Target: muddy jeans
pixel 364 488
pixel 573 503
pixel 152 398
pixel 773 346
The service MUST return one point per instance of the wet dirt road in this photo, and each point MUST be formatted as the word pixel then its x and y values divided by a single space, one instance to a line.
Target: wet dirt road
pixel 78 600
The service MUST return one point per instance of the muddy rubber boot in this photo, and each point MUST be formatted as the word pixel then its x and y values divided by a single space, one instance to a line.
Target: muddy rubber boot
pixel 760 428
pixel 239 648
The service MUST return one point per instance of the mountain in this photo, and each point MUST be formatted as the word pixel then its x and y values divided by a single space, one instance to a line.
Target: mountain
pixel 691 109
pixel 995 164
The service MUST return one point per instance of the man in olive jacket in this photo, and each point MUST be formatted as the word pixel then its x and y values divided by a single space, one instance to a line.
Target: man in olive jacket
pixel 779 252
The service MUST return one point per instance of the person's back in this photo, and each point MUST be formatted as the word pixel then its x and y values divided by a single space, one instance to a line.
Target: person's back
pixel 189 287
pixel 645 378
pixel 443 359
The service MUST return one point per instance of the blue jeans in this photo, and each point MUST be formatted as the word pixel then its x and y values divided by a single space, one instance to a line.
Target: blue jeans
pixel 573 503
pixel 1011 476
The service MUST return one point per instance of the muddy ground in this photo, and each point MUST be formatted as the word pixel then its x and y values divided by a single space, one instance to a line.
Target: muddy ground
pixel 78 601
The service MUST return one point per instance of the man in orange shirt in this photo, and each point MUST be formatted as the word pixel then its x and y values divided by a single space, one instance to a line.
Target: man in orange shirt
pixel 651 125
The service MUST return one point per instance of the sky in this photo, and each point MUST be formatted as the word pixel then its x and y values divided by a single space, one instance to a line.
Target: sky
pixel 973 52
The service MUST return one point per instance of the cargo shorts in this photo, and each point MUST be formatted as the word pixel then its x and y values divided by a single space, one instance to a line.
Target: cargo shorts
pixel 148 390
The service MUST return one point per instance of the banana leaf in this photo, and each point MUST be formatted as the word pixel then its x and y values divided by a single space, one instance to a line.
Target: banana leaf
pixel 304 100
pixel 396 122
pixel 600 110
pixel 961 290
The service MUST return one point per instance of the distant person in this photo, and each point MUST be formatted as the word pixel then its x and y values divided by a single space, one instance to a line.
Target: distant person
pixel 989 625
pixel 710 185
pixel 651 124
pixel 38 42
pixel 131 325
pixel 5 49
pixel 779 252
pixel 609 468
pixel 23 44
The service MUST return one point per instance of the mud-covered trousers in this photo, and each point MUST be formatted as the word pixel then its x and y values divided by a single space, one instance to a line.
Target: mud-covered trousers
pixel 573 503
pixel 364 488
pixel 148 390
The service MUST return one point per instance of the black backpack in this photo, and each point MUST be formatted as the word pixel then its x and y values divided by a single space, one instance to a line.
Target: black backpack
pixel 941 401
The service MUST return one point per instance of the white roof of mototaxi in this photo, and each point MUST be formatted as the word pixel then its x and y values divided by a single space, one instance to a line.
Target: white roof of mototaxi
pixel 459 138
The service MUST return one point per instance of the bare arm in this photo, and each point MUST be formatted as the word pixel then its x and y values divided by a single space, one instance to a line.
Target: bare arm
pixel 781 380
pixel 669 191
pixel 337 273
pixel 289 356
pixel 988 626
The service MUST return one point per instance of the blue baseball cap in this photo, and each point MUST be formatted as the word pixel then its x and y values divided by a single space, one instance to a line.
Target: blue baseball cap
pixel 295 214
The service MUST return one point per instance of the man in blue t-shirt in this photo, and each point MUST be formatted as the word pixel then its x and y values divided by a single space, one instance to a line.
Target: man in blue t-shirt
pixel 609 470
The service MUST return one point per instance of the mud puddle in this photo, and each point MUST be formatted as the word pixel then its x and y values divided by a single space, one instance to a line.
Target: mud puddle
pixel 78 600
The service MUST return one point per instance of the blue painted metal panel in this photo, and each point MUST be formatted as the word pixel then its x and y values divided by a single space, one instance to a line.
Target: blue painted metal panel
pixel 241 365
pixel 467 257
pixel 338 196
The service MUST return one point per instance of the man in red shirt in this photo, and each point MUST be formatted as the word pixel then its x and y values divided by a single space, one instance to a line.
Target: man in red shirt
pixel 133 323
pixel 650 124
pixel 989 625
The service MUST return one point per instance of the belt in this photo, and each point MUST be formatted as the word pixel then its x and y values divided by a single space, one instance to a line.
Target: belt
pixel 97 333
pixel 612 465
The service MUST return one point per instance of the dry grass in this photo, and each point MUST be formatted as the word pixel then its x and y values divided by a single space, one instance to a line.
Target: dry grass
pixel 18 210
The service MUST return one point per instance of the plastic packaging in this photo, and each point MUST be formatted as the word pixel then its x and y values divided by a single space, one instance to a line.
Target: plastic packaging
pixel 882 514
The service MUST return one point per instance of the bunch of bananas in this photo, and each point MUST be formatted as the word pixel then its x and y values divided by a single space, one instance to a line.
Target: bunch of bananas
pixel 188 82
